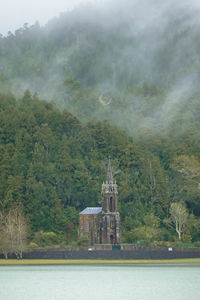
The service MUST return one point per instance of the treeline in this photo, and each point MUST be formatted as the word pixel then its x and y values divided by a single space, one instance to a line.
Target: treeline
pixel 52 165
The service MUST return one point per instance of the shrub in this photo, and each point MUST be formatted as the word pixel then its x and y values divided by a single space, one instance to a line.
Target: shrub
pixel 197 244
pixel 33 245
pixel 83 241
pixel 46 238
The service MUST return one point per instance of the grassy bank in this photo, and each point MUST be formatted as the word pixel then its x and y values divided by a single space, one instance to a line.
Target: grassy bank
pixel 93 261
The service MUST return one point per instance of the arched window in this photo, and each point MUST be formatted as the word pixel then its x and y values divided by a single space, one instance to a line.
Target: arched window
pixel 111 204
pixel 86 227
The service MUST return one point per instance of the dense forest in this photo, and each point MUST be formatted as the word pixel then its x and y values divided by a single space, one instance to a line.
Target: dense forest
pixel 117 83
pixel 53 165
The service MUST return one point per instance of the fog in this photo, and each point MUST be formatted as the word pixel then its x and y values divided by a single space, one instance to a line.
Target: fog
pixel 140 58
pixel 13 14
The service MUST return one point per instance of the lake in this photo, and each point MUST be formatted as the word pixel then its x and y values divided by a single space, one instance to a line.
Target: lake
pixel 102 282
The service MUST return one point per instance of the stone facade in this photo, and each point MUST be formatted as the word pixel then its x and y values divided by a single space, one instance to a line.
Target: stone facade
pixel 101 225
pixel 89 220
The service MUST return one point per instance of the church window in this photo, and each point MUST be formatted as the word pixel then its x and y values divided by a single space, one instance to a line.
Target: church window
pixel 112 224
pixel 111 204
pixel 86 226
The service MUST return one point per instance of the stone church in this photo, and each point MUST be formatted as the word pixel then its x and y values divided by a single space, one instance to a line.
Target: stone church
pixel 101 225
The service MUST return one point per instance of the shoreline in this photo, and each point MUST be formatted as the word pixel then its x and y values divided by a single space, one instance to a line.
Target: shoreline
pixel 28 262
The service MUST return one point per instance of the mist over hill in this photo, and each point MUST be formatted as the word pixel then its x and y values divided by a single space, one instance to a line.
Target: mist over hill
pixel 135 63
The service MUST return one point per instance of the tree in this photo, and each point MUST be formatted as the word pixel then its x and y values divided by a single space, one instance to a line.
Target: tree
pixel 13 232
pixel 5 245
pixel 178 217
pixel 188 166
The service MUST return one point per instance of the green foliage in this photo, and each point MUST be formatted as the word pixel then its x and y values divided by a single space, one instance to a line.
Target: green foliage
pixel 83 241
pixel 42 239
pixel 33 245
pixel 147 232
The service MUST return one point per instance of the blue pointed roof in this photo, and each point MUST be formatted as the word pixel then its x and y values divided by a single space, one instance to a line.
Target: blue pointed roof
pixel 91 211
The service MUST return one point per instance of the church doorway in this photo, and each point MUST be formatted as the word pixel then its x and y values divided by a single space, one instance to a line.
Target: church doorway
pixel 112 239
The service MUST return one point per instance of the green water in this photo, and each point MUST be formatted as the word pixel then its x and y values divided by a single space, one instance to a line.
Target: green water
pixel 133 282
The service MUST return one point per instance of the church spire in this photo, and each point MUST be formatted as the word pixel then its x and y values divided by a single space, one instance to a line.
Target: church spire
pixel 110 231
pixel 109 178
pixel 109 187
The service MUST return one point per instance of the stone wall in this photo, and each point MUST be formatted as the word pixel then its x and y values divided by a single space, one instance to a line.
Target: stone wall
pixel 137 253
pixel 89 227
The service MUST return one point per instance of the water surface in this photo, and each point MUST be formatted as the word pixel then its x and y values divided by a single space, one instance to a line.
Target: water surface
pixel 145 282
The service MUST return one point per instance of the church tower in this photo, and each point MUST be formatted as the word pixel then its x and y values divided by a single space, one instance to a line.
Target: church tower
pixel 110 226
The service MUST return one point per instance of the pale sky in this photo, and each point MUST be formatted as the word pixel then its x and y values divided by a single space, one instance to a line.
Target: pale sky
pixel 14 13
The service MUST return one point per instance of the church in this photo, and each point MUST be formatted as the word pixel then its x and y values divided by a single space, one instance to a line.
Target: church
pixel 101 225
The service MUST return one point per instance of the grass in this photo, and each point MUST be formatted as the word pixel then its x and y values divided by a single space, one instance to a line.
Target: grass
pixel 93 261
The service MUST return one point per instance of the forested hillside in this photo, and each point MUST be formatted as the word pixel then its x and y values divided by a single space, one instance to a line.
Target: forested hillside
pixel 54 166
pixel 103 70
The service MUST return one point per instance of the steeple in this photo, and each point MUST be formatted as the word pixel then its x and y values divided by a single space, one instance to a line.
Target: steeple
pixel 102 224
pixel 110 231
pixel 109 187
pixel 109 178
pixel 109 192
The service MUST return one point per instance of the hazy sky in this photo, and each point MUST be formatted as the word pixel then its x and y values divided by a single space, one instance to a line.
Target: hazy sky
pixel 14 13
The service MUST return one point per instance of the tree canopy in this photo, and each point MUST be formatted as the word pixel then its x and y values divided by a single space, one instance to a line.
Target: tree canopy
pixel 123 87
pixel 53 165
